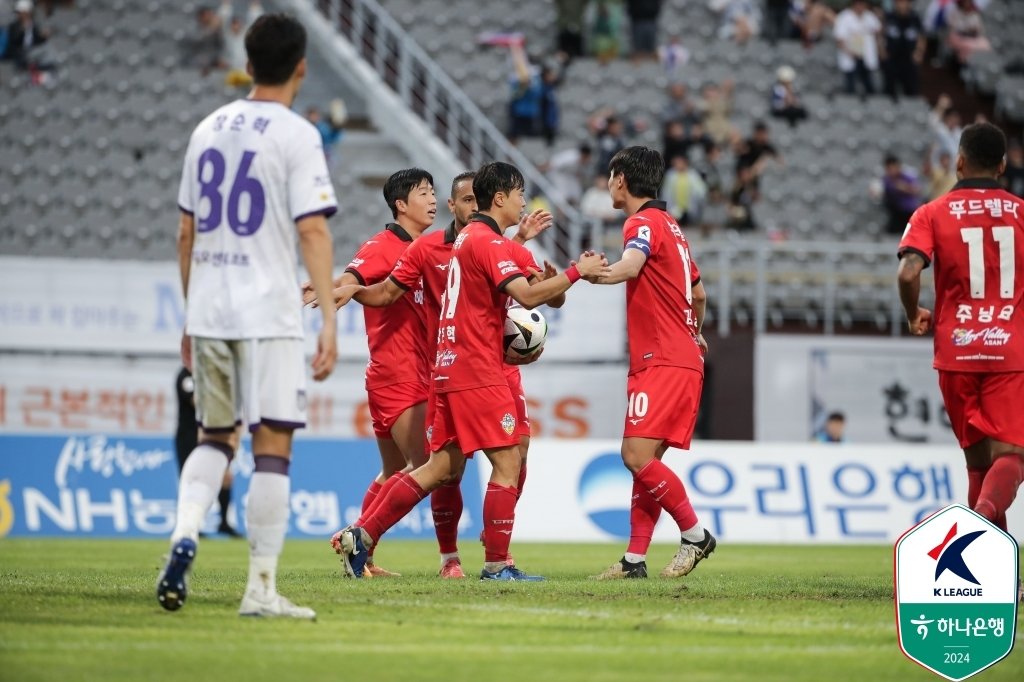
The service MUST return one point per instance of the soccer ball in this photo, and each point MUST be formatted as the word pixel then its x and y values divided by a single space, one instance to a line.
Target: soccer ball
pixel 525 331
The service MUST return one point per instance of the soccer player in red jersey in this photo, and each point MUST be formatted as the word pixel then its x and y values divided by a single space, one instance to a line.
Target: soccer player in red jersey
pixel 474 407
pixel 427 261
pixel 664 312
pixel 398 374
pixel 974 235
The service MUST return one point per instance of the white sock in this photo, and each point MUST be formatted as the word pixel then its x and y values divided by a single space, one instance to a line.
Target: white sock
pixel 695 534
pixel 634 558
pixel 445 558
pixel 201 478
pixel 266 525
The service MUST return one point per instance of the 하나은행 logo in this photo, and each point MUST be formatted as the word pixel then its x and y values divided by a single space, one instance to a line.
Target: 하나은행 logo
pixel 956 593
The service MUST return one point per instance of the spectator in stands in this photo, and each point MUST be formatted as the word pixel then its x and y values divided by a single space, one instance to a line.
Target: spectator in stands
pixel 777 25
pixel 331 129
pixel 550 78
pixel 597 201
pixel 679 108
pixel 740 20
pixel 673 55
pixel 941 175
pixel 204 49
pixel 785 102
pixel 901 194
pixel 754 153
pixel 683 190
pixel 834 430
pixel 570 171
pixel 716 105
pixel 714 213
pixel 569 18
pixel 605 29
pixel 643 24
pixel 857 33
pixel 524 107
pixel 610 141
pixel 904 49
pixel 740 211
pixel 966 30
pixel 1013 176
pixel 25 36
pixel 234 42
pixel 945 124
pixel 811 18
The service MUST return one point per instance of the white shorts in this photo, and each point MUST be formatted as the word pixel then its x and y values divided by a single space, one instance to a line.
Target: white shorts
pixel 250 381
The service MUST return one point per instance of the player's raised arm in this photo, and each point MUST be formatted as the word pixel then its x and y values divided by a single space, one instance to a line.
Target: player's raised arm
pixel 590 266
pixel 315 241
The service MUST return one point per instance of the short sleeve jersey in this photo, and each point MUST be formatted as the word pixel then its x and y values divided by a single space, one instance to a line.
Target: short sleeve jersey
pixel 469 351
pixel 660 318
pixel 974 236
pixel 424 266
pixel 525 260
pixel 396 335
pixel 251 171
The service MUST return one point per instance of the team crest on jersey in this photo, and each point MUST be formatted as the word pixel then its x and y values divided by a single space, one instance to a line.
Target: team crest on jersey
pixel 508 423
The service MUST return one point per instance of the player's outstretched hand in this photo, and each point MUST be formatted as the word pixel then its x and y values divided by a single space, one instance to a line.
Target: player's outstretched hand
pixel 308 295
pixel 549 272
pixel 186 351
pixel 326 353
pixel 526 359
pixel 592 266
pixel 342 295
pixel 922 324
pixel 533 224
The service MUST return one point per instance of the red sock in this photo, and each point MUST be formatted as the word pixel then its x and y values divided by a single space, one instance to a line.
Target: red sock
pixel 668 491
pixel 499 517
pixel 382 492
pixel 975 478
pixel 1000 486
pixel 404 494
pixel 643 516
pixel 522 481
pixel 370 496
pixel 446 506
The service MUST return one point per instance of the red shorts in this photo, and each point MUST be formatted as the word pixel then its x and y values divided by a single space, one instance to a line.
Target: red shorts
pixel 389 402
pixel 474 419
pixel 984 405
pixel 515 386
pixel 663 403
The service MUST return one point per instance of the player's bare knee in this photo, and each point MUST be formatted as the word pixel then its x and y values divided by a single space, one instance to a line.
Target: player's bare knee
pixel 272 440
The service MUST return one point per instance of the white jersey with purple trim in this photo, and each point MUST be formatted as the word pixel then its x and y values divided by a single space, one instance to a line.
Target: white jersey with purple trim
pixel 252 170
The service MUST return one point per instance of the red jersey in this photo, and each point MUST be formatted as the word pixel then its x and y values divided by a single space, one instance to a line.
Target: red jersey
pixel 975 236
pixel 525 260
pixel 469 351
pixel 660 320
pixel 397 332
pixel 424 266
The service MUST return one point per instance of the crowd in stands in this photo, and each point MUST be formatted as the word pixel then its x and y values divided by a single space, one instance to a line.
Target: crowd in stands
pixel 218 42
pixel 24 36
pixel 880 47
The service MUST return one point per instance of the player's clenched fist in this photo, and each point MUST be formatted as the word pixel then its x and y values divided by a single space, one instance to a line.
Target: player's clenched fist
pixel 921 324
pixel 592 265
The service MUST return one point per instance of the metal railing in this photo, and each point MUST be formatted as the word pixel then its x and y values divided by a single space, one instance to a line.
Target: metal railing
pixel 427 91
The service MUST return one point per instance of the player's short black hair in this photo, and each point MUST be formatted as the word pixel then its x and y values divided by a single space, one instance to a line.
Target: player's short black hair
pixel 836 417
pixel 465 175
pixel 275 44
pixel 495 177
pixel 400 184
pixel 891 159
pixel 983 146
pixel 642 168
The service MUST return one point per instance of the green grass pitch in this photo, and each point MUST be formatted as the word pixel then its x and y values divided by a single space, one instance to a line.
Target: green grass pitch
pixel 85 610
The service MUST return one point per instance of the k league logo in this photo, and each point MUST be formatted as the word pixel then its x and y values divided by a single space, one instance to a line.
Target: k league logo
pixel 956 593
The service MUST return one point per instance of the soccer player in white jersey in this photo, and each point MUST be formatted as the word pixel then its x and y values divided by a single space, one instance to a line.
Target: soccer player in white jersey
pixel 254 172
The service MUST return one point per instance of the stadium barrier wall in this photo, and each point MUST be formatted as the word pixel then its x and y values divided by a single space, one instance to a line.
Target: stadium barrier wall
pixel 79 305
pixel 104 485
pixel 886 388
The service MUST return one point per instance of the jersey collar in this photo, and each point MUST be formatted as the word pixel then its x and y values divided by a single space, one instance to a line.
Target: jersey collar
pixel 489 222
pixel 978 183
pixel 450 233
pixel 654 203
pixel 399 231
